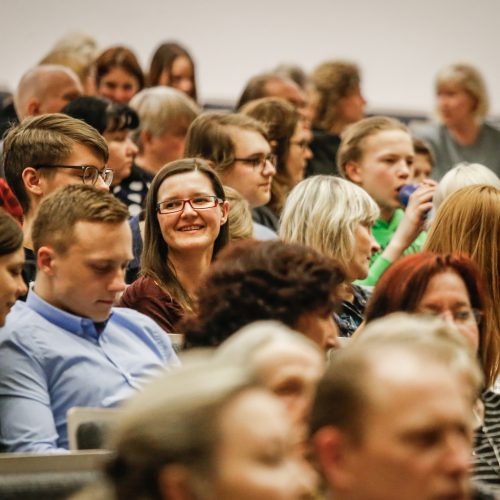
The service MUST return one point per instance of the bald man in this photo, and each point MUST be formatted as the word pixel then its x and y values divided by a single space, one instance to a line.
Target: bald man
pixel 46 89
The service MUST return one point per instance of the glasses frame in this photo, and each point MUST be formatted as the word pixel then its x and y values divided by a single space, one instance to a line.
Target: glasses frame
pixel 271 158
pixel 217 201
pixel 85 168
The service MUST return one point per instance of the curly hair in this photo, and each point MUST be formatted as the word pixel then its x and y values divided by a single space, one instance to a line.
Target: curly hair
pixel 254 280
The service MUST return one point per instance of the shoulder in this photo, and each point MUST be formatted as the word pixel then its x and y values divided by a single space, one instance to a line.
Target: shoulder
pixel 139 325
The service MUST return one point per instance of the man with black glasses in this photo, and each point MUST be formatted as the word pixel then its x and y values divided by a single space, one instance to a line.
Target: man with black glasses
pixel 44 153
pixel 237 148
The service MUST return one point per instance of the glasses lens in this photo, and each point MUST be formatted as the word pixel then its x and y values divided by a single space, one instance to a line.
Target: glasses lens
pixel 204 202
pixel 107 176
pixel 90 175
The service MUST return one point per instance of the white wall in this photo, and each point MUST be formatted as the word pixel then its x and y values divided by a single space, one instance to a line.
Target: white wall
pixel 399 44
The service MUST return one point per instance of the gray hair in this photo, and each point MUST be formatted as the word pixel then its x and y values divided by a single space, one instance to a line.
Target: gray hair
pixel 163 109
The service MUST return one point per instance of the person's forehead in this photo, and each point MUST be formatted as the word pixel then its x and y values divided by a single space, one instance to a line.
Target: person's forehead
pixel 391 139
pixel 82 154
pixel 406 385
pixel 92 238
pixel 249 142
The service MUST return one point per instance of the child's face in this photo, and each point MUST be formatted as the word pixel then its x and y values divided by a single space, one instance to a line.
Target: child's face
pixel 422 168
pixel 385 167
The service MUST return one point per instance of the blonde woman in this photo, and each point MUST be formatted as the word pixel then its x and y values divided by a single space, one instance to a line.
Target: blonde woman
pixel 335 217
pixel 462 134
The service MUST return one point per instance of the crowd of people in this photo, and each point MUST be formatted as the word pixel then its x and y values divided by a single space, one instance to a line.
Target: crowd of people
pixel 334 278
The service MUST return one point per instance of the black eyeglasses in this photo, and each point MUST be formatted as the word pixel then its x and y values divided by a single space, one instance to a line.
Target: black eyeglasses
pixel 90 173
pixel 260 161
pixel 198 203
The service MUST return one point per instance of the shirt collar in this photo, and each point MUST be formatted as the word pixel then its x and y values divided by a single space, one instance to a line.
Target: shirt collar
pixel 72 323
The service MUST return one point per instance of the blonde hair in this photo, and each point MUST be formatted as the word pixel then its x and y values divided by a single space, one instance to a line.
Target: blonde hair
pixel 323 211
pixel 468 222
pixel 352 143
pixel 240 216
pixel 469 79
pixel 462 175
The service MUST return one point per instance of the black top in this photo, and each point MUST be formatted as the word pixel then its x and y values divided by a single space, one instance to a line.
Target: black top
pixel 324 147
pixel 29 269
pixel 352 313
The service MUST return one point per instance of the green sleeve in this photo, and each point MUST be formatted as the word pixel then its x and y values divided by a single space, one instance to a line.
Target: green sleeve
pixel 377 267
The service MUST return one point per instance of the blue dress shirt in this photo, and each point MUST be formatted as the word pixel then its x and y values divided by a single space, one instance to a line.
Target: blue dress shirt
pixel 51 361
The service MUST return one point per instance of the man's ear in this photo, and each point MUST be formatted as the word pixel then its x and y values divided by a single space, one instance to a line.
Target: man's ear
pixel 45 260
pixel 225 212
pixel 174 483
pixel 353 172
pixel 33 107
pixel 32 181
pixel 334 452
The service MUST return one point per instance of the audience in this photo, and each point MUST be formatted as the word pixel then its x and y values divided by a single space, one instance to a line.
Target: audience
pixel 377 155
pixel 173 66
pixel 46 152
pixel 338 104
pixel 12 285
pixel 246 420
pixel 266 280
pixel 392 417
pixel 67 346
pixel 237 147
pixel 185 228
pixel 335 217
pixel 289 140
pixel 462 135
pixel 206 431
pixel 118 75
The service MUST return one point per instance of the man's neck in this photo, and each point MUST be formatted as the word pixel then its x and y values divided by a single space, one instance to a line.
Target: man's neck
pixel 386 214
pixel 27 226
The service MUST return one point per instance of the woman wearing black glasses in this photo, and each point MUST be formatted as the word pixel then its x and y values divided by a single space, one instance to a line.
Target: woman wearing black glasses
pixel 289 139
pixel 185 227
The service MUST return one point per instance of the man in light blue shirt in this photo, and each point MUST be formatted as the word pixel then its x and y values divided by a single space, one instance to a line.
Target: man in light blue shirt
pixel 67 346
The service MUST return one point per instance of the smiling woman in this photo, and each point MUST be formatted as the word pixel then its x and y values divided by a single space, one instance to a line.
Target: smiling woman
pixel 11 264
pixel 186 215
